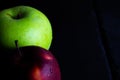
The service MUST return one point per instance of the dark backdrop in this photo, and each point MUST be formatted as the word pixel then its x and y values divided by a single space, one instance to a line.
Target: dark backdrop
pixel 85 36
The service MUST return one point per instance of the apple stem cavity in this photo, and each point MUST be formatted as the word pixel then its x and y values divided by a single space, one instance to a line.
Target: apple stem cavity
pixel 16 44
pixel 18 16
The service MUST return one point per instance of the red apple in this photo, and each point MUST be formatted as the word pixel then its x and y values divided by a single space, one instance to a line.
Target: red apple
pixel 32 63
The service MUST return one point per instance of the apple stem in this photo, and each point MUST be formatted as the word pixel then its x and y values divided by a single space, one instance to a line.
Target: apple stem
pixel 16 44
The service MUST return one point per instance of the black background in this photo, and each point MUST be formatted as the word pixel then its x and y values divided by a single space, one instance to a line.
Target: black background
pixel 77 42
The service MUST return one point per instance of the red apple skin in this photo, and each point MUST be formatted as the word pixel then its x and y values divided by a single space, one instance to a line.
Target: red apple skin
pixel 33 63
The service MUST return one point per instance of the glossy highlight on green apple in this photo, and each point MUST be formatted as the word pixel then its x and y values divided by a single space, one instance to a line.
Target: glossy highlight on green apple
pixel 28 25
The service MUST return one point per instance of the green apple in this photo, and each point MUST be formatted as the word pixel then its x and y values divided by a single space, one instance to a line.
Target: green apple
pixel 28 25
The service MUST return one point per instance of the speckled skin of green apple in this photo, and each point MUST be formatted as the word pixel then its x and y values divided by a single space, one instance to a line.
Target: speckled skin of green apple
pixel 27 25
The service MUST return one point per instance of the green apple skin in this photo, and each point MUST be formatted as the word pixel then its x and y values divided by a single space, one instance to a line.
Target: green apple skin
pixel 26 24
